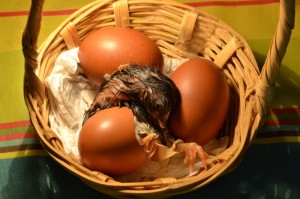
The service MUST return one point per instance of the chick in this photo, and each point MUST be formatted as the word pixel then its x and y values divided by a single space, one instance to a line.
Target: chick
pixel 151 96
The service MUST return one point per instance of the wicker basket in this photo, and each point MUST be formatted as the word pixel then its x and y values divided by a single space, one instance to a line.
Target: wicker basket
pixel 180 31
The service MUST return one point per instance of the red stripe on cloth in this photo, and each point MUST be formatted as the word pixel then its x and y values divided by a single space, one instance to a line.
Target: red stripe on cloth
pixel 13 14
pixel 282 122
pixel 14 124
pixel 194 4
pixel 45 13
pixel 285 111
pixel 231 3
pixel 18 136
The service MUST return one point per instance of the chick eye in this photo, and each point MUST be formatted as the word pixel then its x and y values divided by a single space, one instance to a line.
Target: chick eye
pixel 158 107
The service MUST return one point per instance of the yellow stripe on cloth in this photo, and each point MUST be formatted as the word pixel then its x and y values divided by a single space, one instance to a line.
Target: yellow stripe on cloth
pixel 25 153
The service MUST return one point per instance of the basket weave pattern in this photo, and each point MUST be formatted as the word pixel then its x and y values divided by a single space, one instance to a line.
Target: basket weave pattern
pixel 180 31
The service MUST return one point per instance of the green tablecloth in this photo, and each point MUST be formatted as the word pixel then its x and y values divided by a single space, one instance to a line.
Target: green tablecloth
pixel 270 168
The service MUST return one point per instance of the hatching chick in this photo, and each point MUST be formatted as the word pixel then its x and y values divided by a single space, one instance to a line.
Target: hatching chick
pixel 146 91
pixel 151 96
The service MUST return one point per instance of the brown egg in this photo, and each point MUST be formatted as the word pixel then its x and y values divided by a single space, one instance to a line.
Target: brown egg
pixel 204 101
pixel 107 143
pixel 104 50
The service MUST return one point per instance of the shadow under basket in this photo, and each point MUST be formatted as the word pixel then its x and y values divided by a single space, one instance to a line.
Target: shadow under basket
pixel 181 32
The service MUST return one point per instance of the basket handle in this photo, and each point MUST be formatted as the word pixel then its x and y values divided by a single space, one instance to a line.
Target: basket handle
pixel 266 83
pixel 32 83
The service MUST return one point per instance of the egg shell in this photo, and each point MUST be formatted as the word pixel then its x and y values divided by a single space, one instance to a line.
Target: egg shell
pixel 204 101
pixel 104 50
pixel 107 143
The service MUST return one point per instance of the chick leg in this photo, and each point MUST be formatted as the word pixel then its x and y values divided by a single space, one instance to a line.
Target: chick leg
pixel 191 150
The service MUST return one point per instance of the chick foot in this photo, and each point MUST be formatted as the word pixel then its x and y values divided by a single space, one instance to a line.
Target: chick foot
pixel 191 150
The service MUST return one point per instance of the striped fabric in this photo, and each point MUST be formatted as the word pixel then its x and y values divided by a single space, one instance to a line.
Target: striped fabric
pixel 270 168
pixel 231 3
pixel 18 139
pixel 282 125
pixel 17 136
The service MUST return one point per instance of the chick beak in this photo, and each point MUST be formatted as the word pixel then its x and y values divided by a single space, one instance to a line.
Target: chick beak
pixel 163 120
pixel 161 124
